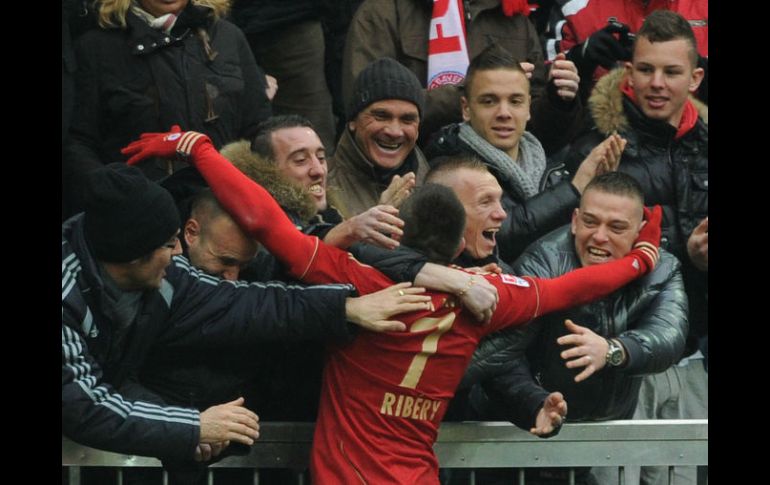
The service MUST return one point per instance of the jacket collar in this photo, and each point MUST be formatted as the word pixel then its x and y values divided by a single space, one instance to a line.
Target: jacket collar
pixel 143 39
pixel 612 111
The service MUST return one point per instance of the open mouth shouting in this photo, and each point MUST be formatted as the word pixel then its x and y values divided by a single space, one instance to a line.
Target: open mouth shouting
pixel 490 234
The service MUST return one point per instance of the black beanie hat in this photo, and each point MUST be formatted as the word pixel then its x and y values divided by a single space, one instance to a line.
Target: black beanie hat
pixel 127 216
pixel 385 78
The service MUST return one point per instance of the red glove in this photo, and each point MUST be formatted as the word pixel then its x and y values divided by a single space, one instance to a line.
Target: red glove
pixel 164 145
pixel 250 205
pixel 646 245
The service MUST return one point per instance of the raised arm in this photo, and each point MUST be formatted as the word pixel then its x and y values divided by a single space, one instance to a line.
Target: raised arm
pixel 257 213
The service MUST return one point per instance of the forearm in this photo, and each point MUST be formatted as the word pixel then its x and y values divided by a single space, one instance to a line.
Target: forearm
pixel 114 421
pixel 516 395
pixel 585 284
pixel 341 235
pixel 442 278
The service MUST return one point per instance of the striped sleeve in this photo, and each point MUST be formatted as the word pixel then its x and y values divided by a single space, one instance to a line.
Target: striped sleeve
pixel 94 414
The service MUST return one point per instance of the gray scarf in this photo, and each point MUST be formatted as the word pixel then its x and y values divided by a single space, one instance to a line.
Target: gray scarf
pixel 524 174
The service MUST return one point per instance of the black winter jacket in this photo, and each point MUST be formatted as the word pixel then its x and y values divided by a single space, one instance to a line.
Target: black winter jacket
pixel 190 312
pixel 526 220
pixel 280 380
pixel 138 79
pixel 672 173
pixel 517 369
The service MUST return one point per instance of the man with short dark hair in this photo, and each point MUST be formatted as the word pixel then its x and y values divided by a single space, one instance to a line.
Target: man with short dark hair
pixel 384 396
pixel 126 291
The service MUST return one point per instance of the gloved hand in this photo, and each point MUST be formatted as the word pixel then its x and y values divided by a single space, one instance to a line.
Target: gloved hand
pixel 164 145
pixel 646 246
pixel 604 48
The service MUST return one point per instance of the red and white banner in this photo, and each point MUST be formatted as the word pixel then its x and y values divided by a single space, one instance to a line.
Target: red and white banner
pixel 447 50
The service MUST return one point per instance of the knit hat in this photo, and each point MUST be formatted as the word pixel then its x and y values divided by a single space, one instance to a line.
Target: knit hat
pixel 385 78
pixel 127 216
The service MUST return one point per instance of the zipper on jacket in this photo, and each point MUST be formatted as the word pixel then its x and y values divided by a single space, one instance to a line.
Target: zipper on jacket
pixel 547 175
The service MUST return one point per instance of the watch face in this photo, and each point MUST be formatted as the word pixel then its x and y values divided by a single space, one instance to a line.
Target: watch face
pixel 615 357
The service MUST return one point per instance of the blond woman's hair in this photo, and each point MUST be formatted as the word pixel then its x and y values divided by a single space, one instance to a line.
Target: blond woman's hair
pixel 112 13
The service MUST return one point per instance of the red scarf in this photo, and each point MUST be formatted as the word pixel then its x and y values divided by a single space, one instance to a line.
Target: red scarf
pixel 689 115
pixel 447 50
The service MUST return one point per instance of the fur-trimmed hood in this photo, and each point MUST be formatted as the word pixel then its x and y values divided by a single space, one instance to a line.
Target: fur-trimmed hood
pixel 606 104
pixel 289 196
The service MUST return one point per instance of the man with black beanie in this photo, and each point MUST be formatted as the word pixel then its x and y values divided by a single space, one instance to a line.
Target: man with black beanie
pixel 126 291
pixel 377 160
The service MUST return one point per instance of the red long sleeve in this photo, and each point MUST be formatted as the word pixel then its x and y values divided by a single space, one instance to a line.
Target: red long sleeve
pixel 255 210
pixel 585 284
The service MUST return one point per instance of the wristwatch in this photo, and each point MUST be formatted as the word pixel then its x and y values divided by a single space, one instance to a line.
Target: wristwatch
pixel 616 354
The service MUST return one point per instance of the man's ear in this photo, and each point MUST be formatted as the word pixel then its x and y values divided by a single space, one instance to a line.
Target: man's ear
pixel 628 67
pixel 466 109
pixel 529 113
pixel 697 77
pixel 192 231
pixel 644 223
pixel 573 224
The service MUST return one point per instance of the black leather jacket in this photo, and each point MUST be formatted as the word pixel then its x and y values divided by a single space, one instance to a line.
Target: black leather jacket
pixel 514 371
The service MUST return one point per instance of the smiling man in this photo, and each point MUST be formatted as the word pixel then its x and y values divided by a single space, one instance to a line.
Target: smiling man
pixel 377 160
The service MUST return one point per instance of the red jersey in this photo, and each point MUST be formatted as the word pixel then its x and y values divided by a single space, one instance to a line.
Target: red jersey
pixel 384 395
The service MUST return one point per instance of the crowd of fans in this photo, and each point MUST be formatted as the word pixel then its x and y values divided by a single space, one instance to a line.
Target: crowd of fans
pixel 378 215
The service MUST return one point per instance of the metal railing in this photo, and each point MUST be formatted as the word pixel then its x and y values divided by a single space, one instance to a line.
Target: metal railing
pixel 467 445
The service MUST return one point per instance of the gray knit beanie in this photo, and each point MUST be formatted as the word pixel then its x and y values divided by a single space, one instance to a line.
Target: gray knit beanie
pixel 385 78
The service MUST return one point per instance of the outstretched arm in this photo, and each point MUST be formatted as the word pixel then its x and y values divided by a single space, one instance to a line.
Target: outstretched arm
pixel 257 213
